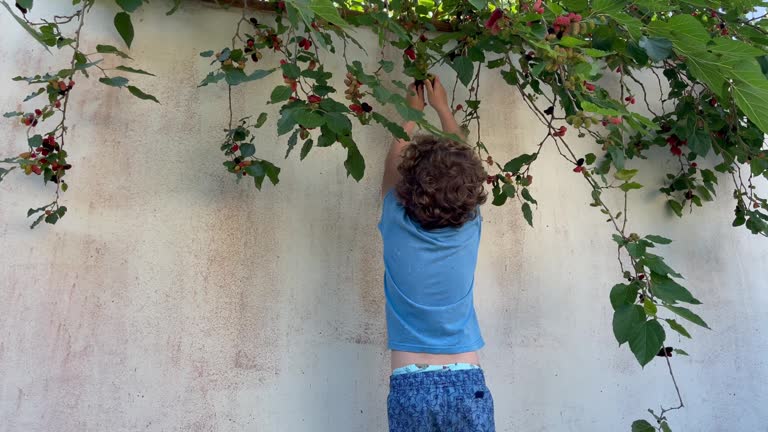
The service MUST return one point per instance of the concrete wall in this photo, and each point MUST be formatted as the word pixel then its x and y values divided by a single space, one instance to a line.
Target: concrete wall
pixel 171 298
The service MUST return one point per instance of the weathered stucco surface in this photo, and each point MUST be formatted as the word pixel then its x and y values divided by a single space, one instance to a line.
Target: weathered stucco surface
pixel 171 298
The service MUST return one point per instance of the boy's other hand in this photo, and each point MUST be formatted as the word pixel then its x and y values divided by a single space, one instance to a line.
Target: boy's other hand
pixel 437 95
pixel 415 97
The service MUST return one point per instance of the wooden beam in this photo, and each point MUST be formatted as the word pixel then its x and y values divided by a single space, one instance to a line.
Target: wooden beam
pixel 268 6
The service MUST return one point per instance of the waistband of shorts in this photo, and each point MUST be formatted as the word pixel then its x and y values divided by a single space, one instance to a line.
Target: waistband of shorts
pixel 447 378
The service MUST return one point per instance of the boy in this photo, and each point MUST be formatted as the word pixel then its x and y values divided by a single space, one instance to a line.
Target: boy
pixel 430 227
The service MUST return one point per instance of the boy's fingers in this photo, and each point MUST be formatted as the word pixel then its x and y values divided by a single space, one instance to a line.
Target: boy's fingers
pixel 428 85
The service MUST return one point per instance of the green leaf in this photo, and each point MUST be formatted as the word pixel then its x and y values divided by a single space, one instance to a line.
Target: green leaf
pixel 570 42
pixel 394 128
pixel 590 107
pixel 687 314
pixel 658 239
pixel 479 4
pixel 355 164
pixel 114 81
pixel 291 70
pixel 305 149
pixel 657 265
pixel 26 4
pixel 699 142
pixel 272 171
pixel 34 33
pixel 208 53
pixel 670 291
pixel 527 213
pixel 509 190
pixel 327 11
pixel 13 114
pixel 129 5
pixel 647 341
pixel 625 174
pixel 649 307
pixel 623 295
pixel 339 123
pixel 674 325
pixel 465 69
pixel 309 119
pixel 658 48
pixel 676 207
pixel 642 426
pixel 606 7
pixel 627 319
pixel 261 120
pixel 292 140
pixel 132 70
pixel 514 165
pixel 527 196
pixel 212 78
pixel 679 351
pixel 750 90
pixel 626 187
pixel 499 198
pixel 247 150
pixel 124 27
pixel 109 49
pixel 35 141
pixel 280 93
pixel 140 94
pixel 635 250
pixel 704 193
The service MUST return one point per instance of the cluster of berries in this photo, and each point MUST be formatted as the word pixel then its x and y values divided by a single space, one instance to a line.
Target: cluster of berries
pixel 563 22
pixel 352 93
pixel 675 143
pixel 41 155
pixel 579 166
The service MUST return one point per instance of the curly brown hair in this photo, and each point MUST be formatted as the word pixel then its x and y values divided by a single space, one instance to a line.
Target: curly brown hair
pixel 442 182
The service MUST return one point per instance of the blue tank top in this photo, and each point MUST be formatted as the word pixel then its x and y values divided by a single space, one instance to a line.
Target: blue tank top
pixel 429 276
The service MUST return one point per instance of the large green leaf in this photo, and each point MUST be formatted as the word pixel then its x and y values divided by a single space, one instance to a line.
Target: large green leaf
pixel 114 81
pixel 750 90
pixel 464 68
pixel 670 291
pixel 327 11
pixel 109 49
pixel 129 5
pixel 280 93
pixel 140 94
pixel 657 48
pixel 124 27
pixel 514 165
pixel 646 342
pixel 687 314
pixel 642 426
pixel 700 142
pixel 355 164
pixel 309 119
pixel 623 295
pixel 132 70
pixel 527 213
pixel 674 325
pixel 627 319
pixel 339 123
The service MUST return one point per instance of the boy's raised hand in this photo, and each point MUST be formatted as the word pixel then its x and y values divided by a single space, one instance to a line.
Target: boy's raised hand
pixel 415 97
pixel 436 95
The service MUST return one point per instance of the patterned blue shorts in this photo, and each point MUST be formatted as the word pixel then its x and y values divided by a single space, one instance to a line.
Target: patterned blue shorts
pixel 444 401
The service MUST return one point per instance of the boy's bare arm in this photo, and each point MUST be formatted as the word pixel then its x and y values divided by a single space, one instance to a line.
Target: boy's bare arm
pixel 438 98
pixel 415 98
